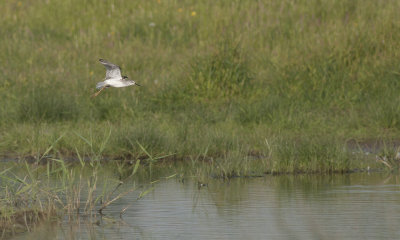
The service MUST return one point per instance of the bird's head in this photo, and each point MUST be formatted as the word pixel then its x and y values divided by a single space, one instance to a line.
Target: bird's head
pixel 130 81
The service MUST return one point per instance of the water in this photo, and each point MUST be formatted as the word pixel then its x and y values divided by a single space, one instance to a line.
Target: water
pixel 354 206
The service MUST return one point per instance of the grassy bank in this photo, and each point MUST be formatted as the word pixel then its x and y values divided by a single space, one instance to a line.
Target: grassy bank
pixel 286 82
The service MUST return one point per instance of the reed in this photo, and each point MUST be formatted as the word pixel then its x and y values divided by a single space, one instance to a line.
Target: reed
pixel 52 189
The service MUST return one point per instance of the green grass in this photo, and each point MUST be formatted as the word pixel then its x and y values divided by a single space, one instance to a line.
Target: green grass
pixel 218 79
pixel 56 191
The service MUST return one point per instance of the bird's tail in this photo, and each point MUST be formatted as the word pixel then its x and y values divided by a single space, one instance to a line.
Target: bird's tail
pixel 100 85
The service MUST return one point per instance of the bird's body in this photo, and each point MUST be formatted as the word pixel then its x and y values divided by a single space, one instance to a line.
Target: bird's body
pixel 113 78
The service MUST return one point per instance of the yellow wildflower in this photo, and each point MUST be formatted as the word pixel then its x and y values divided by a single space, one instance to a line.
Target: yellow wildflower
pixel 193 13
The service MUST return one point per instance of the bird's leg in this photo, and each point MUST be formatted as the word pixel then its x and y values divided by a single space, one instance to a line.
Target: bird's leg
pixel 94 95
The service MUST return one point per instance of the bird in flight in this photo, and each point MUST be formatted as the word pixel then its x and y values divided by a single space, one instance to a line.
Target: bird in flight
pixel 113 78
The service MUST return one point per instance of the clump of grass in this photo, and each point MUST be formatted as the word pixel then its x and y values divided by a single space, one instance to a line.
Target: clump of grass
pixel 37 193
pixel 224 73
pixel 309 154
pixel 52 188
pixel 208 80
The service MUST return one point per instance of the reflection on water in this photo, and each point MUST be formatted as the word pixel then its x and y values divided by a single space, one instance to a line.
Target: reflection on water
pixel 355 206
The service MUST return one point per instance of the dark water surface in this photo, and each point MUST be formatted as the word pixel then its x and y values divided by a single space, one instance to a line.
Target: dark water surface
pixel 354 206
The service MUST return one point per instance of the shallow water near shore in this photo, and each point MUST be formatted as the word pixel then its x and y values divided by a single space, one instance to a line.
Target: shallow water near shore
pixel 351 206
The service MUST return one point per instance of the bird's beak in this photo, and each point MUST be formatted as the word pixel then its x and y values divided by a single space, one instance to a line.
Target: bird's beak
pixel 138 84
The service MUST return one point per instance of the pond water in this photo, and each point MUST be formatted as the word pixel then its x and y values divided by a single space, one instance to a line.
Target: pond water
pixel 353 206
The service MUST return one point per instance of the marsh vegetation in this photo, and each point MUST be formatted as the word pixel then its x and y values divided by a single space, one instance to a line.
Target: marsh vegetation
pixel 61 192
pixel 229 88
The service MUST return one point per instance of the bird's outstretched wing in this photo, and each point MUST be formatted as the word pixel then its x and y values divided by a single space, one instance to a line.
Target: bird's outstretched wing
pixel 112 70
